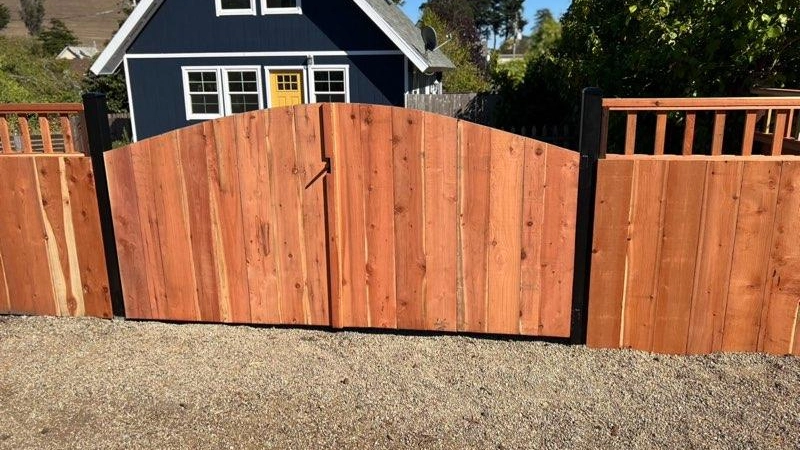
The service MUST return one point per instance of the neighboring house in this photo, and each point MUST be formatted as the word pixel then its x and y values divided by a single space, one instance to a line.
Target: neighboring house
pixel 73 52
pixel 191 60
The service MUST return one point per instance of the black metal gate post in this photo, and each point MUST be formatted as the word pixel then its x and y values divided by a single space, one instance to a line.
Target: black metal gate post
pixel 99 133
pixel 589 147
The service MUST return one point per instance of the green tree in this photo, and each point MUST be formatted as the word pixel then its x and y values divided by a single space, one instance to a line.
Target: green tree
pixel 56 37
pixel 5 16
pixel 467 76
pixel 29 76
pixel 32 14
pixel 546 33
pixel 115 85
pixel 457 17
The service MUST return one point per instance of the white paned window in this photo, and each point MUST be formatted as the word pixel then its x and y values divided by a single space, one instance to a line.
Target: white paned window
pixel 280 7
pixel 242 90
pixel 236 7
pixel 212 92
pixel 202 93
pixel 330 84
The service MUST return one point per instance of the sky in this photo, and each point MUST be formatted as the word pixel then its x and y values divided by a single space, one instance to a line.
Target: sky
pixel 558 7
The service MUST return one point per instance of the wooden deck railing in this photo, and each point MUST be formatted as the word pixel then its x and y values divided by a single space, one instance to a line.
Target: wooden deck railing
pixel 55 128
pixel 765 118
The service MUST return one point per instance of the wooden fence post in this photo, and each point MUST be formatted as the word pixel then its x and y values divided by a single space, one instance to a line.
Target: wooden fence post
pixel 99 133
pixel 589 147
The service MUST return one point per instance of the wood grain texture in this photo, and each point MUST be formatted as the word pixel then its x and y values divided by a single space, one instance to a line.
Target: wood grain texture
pixel 475 144
pixel 51 254
pixel 630 134
pixel 751 254
pixel 661 133
pixel 643 249
pixel 749 132
pixel 718 136
pixel 688 133
pixel 533 219
pixel 441 192
pixel 25 134
pixel 66 132
pixel 607 287
pixel 408 132
pixel 376 145
pixel 779 318
pixel 682 217
pixel 558 245
pixel 44 130
pixel 781 124
pixel 505 236
pixel 715 254
pixel 5 136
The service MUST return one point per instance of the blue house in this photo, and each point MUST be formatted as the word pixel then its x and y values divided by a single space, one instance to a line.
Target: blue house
pixel 192 60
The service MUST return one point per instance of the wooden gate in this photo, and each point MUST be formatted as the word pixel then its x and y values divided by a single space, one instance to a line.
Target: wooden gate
pixel 424 223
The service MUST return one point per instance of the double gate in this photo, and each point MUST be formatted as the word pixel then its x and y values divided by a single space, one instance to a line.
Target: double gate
pixel 350 216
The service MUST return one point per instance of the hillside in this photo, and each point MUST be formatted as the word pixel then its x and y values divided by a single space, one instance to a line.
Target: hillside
pixel 93 21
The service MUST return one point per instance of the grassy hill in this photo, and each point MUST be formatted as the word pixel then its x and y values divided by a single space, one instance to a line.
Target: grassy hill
pixel 93 21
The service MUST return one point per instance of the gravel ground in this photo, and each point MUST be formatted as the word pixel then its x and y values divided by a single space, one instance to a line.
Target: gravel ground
pixel 67 383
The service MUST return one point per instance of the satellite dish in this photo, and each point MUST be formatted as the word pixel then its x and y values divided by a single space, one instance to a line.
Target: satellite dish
pixel 429 37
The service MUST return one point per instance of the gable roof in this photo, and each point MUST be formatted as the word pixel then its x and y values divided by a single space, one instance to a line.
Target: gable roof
pixel 388 17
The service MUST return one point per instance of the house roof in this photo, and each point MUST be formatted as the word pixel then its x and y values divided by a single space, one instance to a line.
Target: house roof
pixel 78 52
pixel 388 17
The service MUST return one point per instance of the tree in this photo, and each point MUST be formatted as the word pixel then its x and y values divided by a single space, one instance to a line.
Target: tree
pixel 5 16
pixel 28 76
pixel 55 38
pixel 467 76
pixel 32 15
pixel 546 33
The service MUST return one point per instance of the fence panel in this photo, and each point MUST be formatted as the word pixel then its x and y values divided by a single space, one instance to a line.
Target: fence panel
pixel 220 222
pixel 696 255
pixel 482 223
pixel 51 256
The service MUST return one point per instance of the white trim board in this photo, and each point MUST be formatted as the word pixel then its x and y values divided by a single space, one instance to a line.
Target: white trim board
pixel 262 54
pixel 251 11
pixel 130 100
pixel 290 10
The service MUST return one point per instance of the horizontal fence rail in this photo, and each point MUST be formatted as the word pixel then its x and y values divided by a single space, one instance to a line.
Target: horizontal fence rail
pixel 56 128
pixel 705 126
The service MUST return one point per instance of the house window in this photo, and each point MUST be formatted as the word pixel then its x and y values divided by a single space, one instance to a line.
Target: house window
pixel 330 85
pixel 202 92
pixel 243 91
pixel 280 7
pixel 236 7
pixel 213 92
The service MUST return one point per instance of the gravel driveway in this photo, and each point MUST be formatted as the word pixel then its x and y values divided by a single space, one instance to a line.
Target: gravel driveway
pixel 85 383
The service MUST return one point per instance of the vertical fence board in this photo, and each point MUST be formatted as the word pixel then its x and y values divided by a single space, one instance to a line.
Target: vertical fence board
pixel 441 143
pixel 194 143
pixel 66 132
pixel 748 137
pixel 5 295
pixel 505 238
pixel 643 250
pixel 23 245
pixel 757 207
pixel 350 179
pixel 295 306
pixel 688 133
pixel 682 217
pixel 133 267
pixel 783 296
pixel 558 244
pixel 334 199
pixel 719 133
pixel 630 134
pixel 475 145
pixel 170 205
pixel 661 133
pixel 607 287
pixel 724 181
pixel 25 134
pixel 780 131
pixel 376 141
pixel 409 182
pixel 259 223
pixel 533 217
pixel 309 155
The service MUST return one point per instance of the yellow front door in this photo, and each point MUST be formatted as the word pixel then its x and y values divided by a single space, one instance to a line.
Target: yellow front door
pixel 286 87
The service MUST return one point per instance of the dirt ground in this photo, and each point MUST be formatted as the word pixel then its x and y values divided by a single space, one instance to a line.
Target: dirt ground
pixel 67 383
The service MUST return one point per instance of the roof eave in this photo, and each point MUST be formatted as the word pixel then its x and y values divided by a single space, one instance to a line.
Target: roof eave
pixel 111 57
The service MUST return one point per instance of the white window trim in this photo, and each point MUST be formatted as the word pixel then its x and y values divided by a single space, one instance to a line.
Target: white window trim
pixel 226 89
pixel 188 98
pixel 236 12
pixel 301 69
pixel 266 11
pixel 325 68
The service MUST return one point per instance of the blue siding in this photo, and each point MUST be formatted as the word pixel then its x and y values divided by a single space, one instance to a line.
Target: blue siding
pixel 191 26
pixel 157 85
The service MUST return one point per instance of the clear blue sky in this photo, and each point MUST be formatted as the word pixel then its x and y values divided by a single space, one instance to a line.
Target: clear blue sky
pixel 558 7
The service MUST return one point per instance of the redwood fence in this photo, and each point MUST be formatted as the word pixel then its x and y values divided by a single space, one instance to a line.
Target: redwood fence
pixel 366 216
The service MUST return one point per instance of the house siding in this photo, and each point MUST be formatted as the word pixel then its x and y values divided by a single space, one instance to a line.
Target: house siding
pixel 192 26
pixel 157 85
